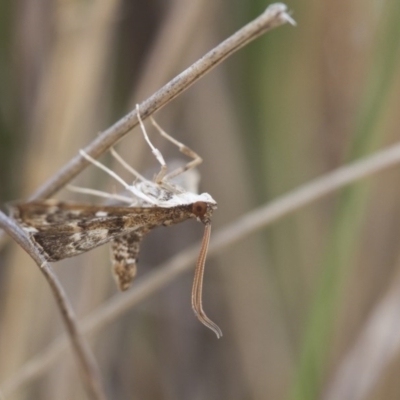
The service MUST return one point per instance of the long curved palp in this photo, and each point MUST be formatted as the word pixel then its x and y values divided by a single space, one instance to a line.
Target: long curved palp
pixel 197 290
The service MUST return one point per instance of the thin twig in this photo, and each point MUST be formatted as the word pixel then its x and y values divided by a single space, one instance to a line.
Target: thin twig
pixel 274 16
pixel 234 232
pixel 91 376
pixel 172 39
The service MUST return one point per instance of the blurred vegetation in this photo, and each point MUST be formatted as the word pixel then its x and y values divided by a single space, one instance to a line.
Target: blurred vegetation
pixel 292 301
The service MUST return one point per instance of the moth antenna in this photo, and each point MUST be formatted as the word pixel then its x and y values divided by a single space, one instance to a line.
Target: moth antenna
pixel 99 193
pixel 197 290
pixel 157 153
pixel 126 165
pixel 183 149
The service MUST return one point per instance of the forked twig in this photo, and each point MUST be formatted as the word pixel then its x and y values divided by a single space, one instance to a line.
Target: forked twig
pixel 274 16
pixel 372 352
pixel 84 356
pixel 234 232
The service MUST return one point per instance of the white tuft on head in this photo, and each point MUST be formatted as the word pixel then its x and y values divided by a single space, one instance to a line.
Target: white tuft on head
pixel 167 195
pixel 186 198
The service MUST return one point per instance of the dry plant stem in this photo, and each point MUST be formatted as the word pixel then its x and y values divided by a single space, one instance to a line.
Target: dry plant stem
pixel 234 232
pixel 274 16
pixel 84 356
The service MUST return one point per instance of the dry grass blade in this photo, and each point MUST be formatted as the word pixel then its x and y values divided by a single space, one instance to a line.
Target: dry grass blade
pixel 377 345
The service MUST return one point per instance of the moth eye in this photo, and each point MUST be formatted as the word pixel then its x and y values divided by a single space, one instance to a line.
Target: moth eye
pixel 199 208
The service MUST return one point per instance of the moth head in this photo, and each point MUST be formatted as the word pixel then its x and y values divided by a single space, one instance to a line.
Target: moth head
pixel 203 209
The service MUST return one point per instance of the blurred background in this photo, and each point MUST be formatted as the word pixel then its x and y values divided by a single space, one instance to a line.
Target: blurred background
pixel 310 306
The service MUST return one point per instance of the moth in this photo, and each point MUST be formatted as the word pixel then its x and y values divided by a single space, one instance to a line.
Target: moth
pixel 60 230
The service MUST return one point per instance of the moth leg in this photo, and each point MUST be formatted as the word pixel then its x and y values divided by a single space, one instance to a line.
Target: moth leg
pixel 124 257
pixel 196 159
pixel 129 188
pixel 99 193
pixel 126 165
pixel 157 153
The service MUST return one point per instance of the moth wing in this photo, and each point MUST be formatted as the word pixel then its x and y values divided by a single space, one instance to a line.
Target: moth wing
pixel 62 230
pixel 55 213
pixel 124 256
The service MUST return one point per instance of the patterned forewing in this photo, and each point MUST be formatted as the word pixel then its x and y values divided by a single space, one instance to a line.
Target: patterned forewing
pixel 62 230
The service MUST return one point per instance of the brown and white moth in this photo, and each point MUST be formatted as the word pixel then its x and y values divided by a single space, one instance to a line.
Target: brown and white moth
pixel 61 230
